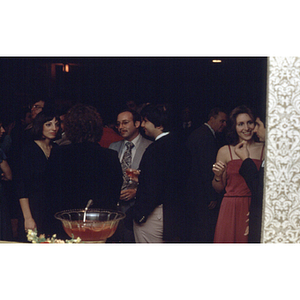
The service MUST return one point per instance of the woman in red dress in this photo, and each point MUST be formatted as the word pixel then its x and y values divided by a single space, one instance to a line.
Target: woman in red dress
pixel 233 220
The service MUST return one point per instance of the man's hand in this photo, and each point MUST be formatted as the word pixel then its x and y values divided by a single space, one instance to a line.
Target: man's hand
pixel 212 204
pixel 128 194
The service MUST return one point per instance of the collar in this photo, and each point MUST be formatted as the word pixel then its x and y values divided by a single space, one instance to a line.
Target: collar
pixel 161 135
pixel 213 132
pixel 135 141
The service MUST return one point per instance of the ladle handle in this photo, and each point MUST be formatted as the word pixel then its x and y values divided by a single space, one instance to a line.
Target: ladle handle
pixel 90 202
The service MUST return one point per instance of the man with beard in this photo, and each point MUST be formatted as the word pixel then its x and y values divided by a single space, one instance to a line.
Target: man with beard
pixel 132 148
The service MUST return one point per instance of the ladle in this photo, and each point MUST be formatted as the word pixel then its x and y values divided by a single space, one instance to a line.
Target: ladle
pixel 90 202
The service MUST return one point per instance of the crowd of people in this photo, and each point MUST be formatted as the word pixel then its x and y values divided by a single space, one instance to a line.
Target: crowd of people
pixel 187 183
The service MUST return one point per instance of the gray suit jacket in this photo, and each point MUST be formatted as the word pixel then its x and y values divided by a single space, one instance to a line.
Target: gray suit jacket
pixel 141 147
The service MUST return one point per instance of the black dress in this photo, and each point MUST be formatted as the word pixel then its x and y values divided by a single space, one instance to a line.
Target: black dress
pixel 30 183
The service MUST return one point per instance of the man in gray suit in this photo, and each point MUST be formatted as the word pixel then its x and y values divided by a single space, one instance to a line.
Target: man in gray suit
pixel 128 124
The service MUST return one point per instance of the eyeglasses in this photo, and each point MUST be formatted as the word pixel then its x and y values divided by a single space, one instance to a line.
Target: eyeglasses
pixel 124 123
pixel 37 107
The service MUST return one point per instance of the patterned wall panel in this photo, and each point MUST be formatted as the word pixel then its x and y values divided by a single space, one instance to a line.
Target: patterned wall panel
pixel 282 172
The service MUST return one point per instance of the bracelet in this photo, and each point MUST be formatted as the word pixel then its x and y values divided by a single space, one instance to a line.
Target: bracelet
pixel 217 180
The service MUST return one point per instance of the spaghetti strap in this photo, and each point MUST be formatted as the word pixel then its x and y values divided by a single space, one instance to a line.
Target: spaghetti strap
pixel 262 152
pixel 230 152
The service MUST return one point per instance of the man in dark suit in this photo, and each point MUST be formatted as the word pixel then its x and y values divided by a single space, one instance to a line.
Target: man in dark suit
pixel 128 124
pixel 157 213
pixel 187 124
pixel 255 180
pixel 203 145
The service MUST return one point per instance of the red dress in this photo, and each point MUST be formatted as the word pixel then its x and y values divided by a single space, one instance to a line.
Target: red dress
pixel 109 136
pixel 233 219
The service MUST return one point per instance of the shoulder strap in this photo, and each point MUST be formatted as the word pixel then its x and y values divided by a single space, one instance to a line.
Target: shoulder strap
pixel 230 152
pixel 262 152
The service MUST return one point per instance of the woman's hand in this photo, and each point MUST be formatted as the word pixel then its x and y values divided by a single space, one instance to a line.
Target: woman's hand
pixel 29 224
pixel 219 168
pixel 241 150
pixel 219 180
pixel 6 171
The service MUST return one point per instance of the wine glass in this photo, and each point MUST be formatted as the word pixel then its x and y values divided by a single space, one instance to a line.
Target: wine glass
pixel 132 173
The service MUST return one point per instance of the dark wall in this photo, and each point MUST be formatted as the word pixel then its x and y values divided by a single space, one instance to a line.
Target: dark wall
pixel 108 82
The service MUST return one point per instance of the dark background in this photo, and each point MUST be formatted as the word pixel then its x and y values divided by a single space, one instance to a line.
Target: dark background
pixel 108 82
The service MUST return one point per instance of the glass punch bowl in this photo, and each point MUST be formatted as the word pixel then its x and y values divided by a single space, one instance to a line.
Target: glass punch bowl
pixel 97 226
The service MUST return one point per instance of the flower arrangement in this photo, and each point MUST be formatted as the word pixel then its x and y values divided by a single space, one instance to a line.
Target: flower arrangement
pixel 33 237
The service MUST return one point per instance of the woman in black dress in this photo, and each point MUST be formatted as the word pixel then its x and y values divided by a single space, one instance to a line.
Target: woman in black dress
pixel 31 175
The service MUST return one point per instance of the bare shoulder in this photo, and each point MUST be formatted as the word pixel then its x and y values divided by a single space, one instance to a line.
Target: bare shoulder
pixel 223 149
pixel 224 154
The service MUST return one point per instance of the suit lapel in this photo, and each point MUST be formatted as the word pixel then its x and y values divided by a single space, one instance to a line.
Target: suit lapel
pixel 120 149
pixel 138 154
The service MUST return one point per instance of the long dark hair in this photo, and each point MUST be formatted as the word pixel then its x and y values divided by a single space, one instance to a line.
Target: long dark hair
pixel 232 135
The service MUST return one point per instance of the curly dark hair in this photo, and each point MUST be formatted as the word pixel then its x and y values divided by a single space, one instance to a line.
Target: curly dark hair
pixel 83 124
pixel 46 115
pixel 232 135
